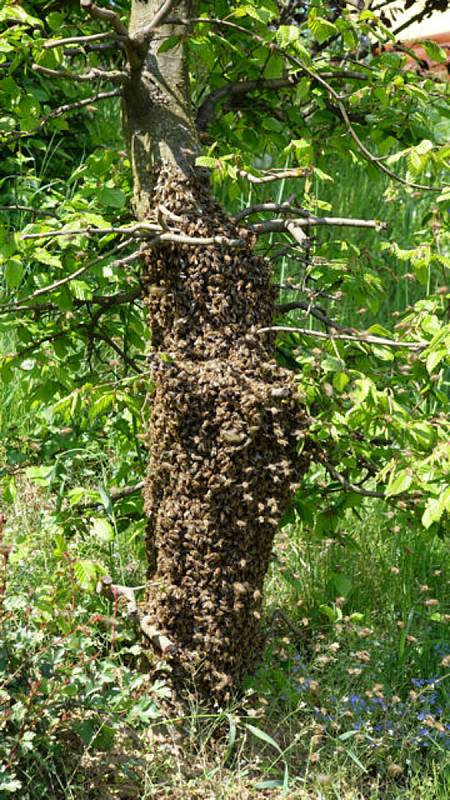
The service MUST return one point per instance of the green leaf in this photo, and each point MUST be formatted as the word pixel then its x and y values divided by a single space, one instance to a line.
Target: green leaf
pixel 102 529
pixel 434 52
pixel 14 272
pixel 101 404
pixel 322 29
pixel 342 583
pixel 86 573
pixel 206 161
pixel 169 44
pixel 15 13
pixel 114 198
pixel 434 510
pixel 399 483
pixel 42 476
pixel 44 257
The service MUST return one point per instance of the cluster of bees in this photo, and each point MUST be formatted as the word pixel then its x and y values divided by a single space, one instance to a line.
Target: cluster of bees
pixel 223 442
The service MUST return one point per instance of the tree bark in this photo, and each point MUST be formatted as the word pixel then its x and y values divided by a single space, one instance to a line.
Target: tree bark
pixel 225 420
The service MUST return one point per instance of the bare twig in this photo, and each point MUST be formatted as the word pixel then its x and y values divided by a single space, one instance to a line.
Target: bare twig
pixel 308 218
pixel 76 40
pixel 361 338
pixel 280 225
pixel 115 76
pixel 270 176
pixel 115 592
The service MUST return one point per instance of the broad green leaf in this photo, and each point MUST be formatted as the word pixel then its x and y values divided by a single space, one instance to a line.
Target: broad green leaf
pixel 114 198
pixel 86 573
pixel 102 529
pixel 13 272
pixel 400 482
pixel 434 52
pixel 169 44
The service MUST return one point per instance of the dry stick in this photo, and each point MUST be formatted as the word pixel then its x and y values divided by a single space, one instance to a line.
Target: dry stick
pixel 274 176
pixel 76 40
pixel 306 217
pixel 331 92
pixel 362 339
pixel 58 112
pixel 114 591
pixel 115 76
pixel 279 225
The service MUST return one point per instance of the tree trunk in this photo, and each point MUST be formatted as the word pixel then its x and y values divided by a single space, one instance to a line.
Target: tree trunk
pixel 224 427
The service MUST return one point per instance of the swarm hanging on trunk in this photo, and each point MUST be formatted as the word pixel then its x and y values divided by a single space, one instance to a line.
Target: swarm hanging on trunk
pixel 225 421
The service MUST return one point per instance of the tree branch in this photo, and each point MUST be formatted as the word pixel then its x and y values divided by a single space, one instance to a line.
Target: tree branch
pixel 115 76
pixel 332 93
pixel 76 40
pixel 8 307
pixel 308 218
pixel 349 487
pixel 58 112
pixel 117 494
pixel 270 177
pixel 280 225
pixel 207 110
pixel 141 36
pixel 139 230
pixel 115 592
pixel 313 311
pixel 121 31
pixel 361 338
pixel 105 15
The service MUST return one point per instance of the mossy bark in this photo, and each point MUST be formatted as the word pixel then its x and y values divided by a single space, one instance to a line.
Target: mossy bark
pixel 225 420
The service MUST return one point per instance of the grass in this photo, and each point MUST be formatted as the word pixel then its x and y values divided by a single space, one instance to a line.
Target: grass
pixel 350 700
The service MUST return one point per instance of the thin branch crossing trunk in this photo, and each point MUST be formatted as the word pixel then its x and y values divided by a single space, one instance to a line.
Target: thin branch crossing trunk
pixel 225 421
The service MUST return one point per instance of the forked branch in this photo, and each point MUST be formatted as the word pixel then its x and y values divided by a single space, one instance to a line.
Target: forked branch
pixel 126 596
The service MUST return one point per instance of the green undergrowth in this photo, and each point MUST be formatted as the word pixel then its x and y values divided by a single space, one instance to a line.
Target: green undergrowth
pixel 350 700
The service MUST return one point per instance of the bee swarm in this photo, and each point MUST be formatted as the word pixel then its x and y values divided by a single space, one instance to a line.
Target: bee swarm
pixel 222 442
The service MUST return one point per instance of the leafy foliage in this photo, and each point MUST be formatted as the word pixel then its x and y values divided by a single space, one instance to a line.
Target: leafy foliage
pixel 370 359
